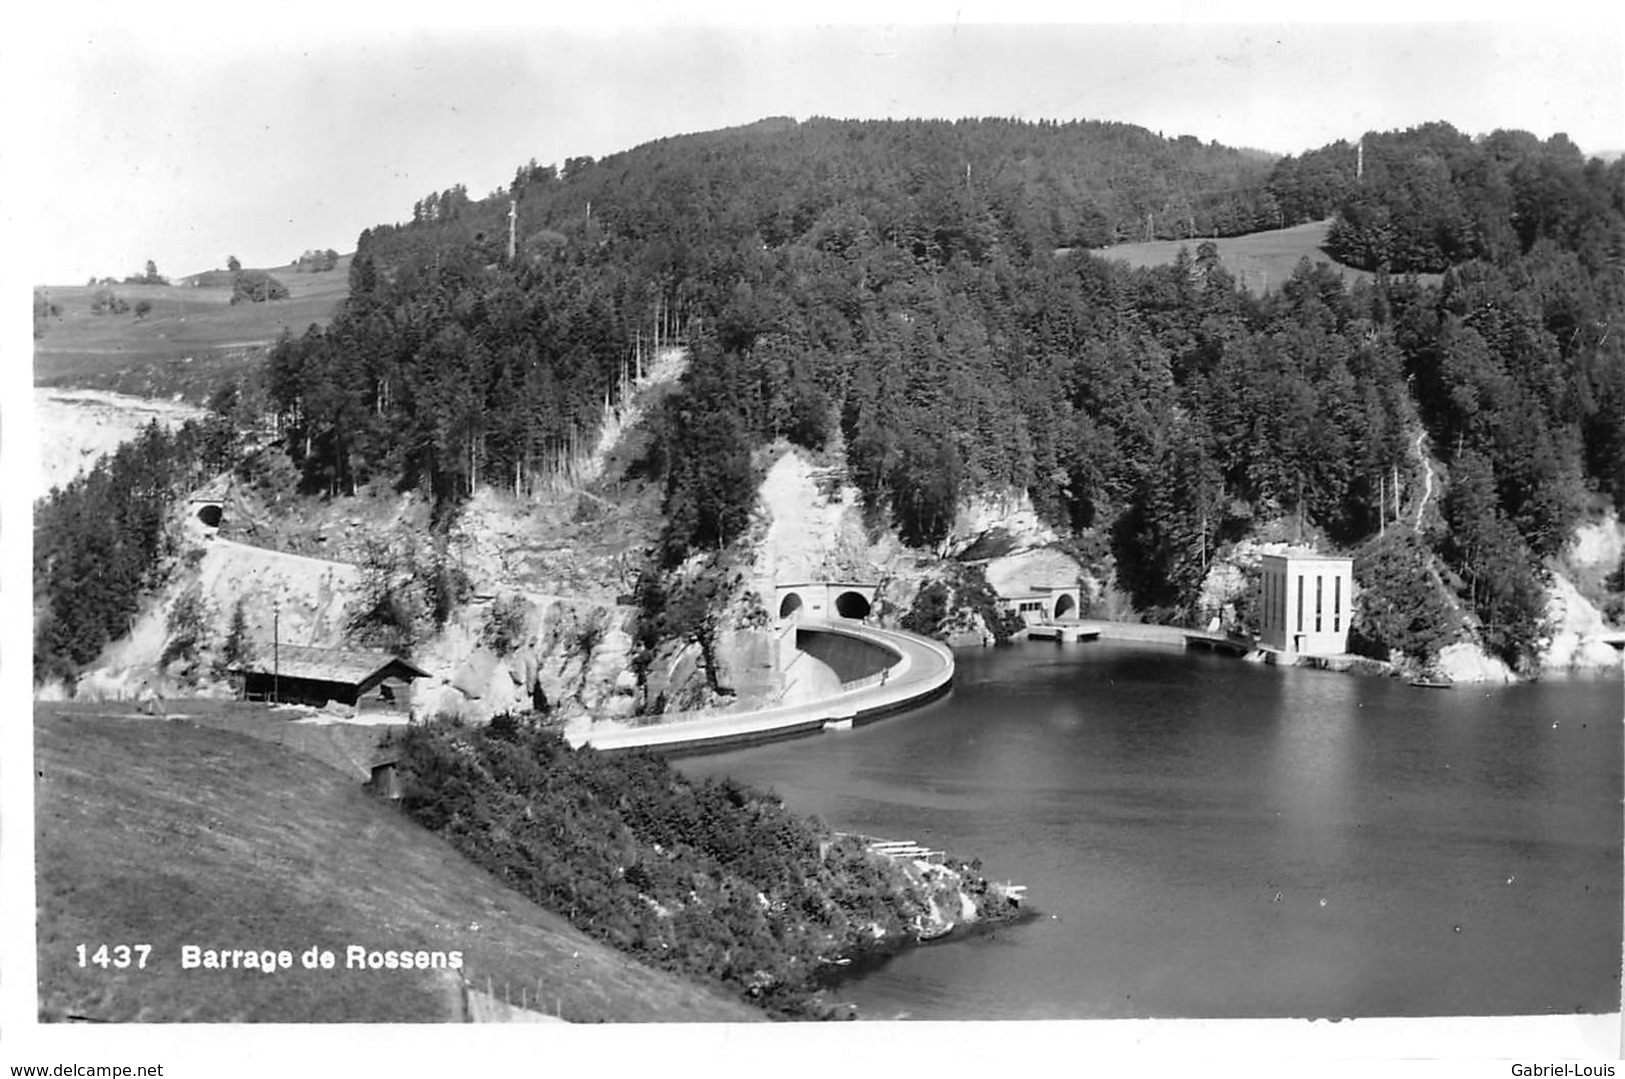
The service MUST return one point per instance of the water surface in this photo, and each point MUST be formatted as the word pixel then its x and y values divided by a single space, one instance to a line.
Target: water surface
pixel 1210 838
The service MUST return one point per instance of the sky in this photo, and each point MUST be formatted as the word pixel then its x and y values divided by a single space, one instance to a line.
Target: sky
pixel 185 140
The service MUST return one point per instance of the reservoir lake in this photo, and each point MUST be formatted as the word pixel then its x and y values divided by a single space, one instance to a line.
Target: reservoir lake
pixel 1207 838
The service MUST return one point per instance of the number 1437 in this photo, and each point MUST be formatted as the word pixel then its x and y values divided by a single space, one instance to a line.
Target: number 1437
pixel 119 956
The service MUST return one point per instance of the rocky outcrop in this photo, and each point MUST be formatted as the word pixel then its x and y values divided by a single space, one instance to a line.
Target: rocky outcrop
pixel 1026 568
pixel 1233 571
pixel 1005 520
pixel 1576 628
pixel 1598 544
pixel 1465 661
pixel 572 658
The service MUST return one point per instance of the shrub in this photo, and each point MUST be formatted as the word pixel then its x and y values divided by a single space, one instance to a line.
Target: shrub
pixel 256 286
pixel 187 620
pixel 504 624
pixel 316 261
pixel 403 596
pixel 106 302
pixel 937 603
pixel 710 878
pixel 930 609
pixel 238 648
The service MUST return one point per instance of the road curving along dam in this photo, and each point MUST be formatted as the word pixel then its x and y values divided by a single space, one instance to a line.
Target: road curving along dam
pixel 883 671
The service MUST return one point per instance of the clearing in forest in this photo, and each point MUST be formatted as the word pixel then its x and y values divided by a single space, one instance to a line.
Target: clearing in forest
pixel 1259 260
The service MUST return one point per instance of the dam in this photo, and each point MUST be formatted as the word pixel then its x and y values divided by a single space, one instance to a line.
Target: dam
pixel 882 672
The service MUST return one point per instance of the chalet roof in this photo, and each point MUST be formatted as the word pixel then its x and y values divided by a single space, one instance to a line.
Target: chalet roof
pixel 351 666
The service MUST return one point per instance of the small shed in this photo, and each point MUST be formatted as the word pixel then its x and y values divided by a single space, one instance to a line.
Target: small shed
pixel 368 681
pixel 385 778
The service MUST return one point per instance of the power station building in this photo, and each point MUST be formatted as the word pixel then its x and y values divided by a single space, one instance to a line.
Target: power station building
pixel 1306 601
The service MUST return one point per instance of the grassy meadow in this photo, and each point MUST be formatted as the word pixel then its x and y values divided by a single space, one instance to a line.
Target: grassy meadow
pixel 1260 260
pixel 192 338
pixel 175 831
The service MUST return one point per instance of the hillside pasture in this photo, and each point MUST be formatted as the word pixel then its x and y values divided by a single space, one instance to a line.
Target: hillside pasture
pixel 193 338
pixel 1259 260
pixel 170 832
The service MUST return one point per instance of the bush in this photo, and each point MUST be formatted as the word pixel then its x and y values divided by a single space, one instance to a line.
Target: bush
pixel 404 596
pixel 256 286
pixel 713 879
pixel 938 605
pixel 504 624
pixel 106 302
pixel 316 261
pixel 188 618
pixel 238 649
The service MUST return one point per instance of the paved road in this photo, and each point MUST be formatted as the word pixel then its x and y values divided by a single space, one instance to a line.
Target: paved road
pixel 923 669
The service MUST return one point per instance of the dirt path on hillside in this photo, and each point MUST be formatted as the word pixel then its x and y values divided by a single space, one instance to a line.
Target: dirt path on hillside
pixel 1427 481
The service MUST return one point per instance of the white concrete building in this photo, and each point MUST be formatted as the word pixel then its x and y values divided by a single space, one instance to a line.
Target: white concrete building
pixel 1041 603
pixel 1306 600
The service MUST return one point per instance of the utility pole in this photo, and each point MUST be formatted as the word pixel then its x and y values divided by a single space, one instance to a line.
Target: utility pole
pixel 276 653
pixel 513 227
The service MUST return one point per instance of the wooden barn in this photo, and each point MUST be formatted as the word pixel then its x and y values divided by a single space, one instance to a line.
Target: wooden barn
pixel 296 674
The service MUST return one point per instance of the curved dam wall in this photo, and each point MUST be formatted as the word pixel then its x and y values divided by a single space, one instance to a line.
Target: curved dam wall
pixel 851 658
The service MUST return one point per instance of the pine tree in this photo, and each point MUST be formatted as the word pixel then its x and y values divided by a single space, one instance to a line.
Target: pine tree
pixel 237 649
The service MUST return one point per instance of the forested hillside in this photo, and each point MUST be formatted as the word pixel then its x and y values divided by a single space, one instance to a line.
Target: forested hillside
pixel 901 287
pixel 102 542
pixel 1431 197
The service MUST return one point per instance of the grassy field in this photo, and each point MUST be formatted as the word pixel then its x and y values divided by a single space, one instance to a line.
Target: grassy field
pixel 171 832
pixel 193 337
pixel 1260 261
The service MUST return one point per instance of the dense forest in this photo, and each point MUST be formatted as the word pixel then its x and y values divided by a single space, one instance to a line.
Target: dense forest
pixel 905 287
pixel 1430 197
pixel 916 292
pixel 713 879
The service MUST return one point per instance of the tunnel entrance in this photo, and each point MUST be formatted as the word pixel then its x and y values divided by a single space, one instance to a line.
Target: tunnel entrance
pixel 210 514
pixel 1065 606
pixel 852 605
pixel 791 604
